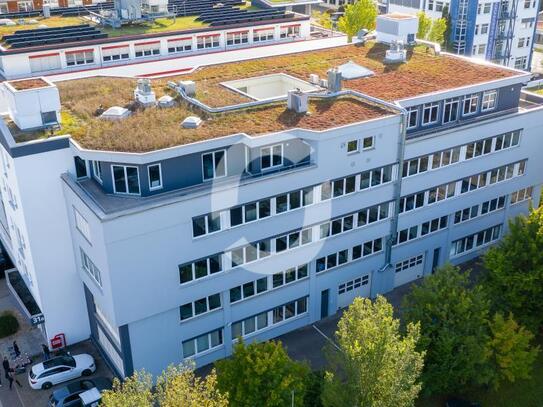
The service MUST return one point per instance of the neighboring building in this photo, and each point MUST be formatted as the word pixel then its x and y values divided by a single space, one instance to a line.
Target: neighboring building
pixel 539 30
pixel 27 6
pixel 498 31
pixel 74 42
pixel 166 242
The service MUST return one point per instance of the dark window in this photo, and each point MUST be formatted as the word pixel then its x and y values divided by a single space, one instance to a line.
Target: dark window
pixel 80 167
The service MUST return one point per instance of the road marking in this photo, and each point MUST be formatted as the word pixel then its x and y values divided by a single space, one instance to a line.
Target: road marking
pixel 326 337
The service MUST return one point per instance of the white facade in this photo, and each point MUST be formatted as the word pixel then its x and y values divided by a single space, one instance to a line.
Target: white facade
pixel 153 285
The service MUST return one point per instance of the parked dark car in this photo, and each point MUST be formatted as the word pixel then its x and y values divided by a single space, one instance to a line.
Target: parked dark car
pixel 68 396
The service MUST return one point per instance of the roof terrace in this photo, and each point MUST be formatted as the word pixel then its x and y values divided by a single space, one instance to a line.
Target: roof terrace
pixel 156 128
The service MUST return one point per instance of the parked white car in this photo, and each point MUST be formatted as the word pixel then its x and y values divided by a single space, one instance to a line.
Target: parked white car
pixel 60 369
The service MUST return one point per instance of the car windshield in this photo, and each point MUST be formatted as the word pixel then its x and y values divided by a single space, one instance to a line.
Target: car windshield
pixel 59 361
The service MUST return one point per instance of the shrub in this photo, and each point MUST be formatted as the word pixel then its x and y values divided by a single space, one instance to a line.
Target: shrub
pixel 8 324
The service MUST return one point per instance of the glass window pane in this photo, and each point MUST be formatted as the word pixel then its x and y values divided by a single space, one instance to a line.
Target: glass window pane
pixel 294 198
pixel 249 325
pixel 235 294
pixel 220 164
pixel 277 280
pixel 302 271
pixel 261 284
pixel 262 320
pixel 216 338
pixel 200 268
pixel 307 196
pixel 250 212
pixel 236 217
pixel 248 289
pixel 214 301
pixel 264 208
pixel 185 311
pixel 185 273
pixel 214 222
pixel 119 179
pixel 215 264
pixel 188 348
pixel 132 180
pixel 200 306
pixel 281 203
pixel 202 343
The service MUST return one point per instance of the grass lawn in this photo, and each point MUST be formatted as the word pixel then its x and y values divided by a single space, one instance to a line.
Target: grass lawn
pixel 50 22
pixel 160 25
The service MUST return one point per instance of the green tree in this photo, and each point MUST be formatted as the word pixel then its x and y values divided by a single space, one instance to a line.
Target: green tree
pixel 514 280
pixel 425 23
pixel 511 355
pixel 376 366
pixel 179 386
pixel 437 32
pixel 322 18
pixel 262 374
pixel 133 391
pixel 360 14
pixel 453 318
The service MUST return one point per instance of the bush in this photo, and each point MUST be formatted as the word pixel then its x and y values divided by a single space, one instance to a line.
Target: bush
pixel 8 324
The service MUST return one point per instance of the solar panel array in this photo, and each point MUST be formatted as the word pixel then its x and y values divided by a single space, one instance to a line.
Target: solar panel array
pixel 211 12
pixel 56 35
pixel 216 13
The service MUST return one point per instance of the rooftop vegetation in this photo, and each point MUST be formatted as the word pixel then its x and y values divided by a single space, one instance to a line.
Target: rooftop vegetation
pixel 158 26
pixel 51 22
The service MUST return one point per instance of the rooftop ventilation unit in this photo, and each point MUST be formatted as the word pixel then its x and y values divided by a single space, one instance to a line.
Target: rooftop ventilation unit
pixel 397 27
pixel 297 101
pixel 189 87
pixel 396 54
pixel 32 103
pixel 166 101
pixel 334 80
pixel 115 113
pixel 191 122
pixel 143 93
pixel 314 79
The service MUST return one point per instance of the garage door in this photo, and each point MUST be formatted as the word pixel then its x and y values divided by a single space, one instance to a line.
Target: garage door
pixel 408 270
pixel 45 63
pixel 347 291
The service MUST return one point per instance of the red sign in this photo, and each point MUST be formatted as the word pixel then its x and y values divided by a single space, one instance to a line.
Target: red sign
pixel 58 341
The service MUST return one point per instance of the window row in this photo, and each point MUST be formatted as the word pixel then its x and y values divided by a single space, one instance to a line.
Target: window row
pixel 521 195
pixel 420 199
pixel 90 268
pixel 339 258
pixel 351 285
pixel 359 219
pixel 268 318
pixel 264 208
pixel 460 153
pixel 353 146
pixel 422 230
pixel 450 110
pixel 491 177
pixel 200 306
pixel 479 210
pixel 264 248
pixel 80 58
pixel 409 263
pixel 202 343
pixel 472 242
pixel 200 268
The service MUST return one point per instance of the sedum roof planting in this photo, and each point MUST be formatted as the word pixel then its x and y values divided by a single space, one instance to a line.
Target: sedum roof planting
pixel 155 128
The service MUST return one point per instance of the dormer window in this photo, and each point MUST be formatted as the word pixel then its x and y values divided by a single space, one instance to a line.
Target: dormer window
pixel 126 179
pixel 214 165
pixel 271 156
pixel 155 177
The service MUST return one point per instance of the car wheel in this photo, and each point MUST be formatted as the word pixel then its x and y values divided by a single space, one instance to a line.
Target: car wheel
pixel 46 385
pixel 86 372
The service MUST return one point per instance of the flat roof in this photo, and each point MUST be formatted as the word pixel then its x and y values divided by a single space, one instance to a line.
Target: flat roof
pixel 153 128
pixel 33 83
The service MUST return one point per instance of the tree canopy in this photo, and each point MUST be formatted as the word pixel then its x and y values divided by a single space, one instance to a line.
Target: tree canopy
pixel 515 270
pixel 361 14
pixel 133 391
pixel 262 374
pixel 376 365
pixel 431 29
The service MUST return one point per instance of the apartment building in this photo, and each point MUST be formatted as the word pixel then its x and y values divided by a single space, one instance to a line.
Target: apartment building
pixel 499 31
pixel 239 207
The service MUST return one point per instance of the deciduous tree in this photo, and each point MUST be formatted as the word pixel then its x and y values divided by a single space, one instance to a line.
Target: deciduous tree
pixel 179 386
pixel 360 14
pixel 511 355
pixel 437 32
pixel 425 23
pixel 133 391
pixel 262 374
pixel 376 366
pixel 454 326
pixel 515 270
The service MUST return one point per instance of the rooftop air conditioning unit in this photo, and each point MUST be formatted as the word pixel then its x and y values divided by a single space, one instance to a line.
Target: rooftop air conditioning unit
pixel 396 54
pixel 297 101
pixel 397 27
pixel 32 103
pixel 334 80
pixel 143 93
pixel 189 87
pixel 314 79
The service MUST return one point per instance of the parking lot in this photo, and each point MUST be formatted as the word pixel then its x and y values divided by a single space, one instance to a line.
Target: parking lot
pixel 26 397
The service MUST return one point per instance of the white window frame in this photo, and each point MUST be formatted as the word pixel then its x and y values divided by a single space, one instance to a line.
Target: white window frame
pixel 213 154
pixel 356 149
pixel 271 155
pixel 159 165
pixel 469 99
pixel 82 225
pixel 430 106
pixel 410 111
pixel 489 95
pixel 372 138
pixel 451 102
pixel 97 171
pixel 124 167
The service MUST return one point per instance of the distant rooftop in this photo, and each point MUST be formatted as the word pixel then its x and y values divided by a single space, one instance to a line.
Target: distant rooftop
pixel 398 16
pixel 157 128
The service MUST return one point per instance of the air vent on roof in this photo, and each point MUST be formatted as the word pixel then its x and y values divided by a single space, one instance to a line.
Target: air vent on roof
pixel 314 79
pixel 396 54
pixel 191 122
pixel 297 101
pixel 115 113
pixel 334 80
pixel 166 101
pixel 143 93
pixel 189 87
